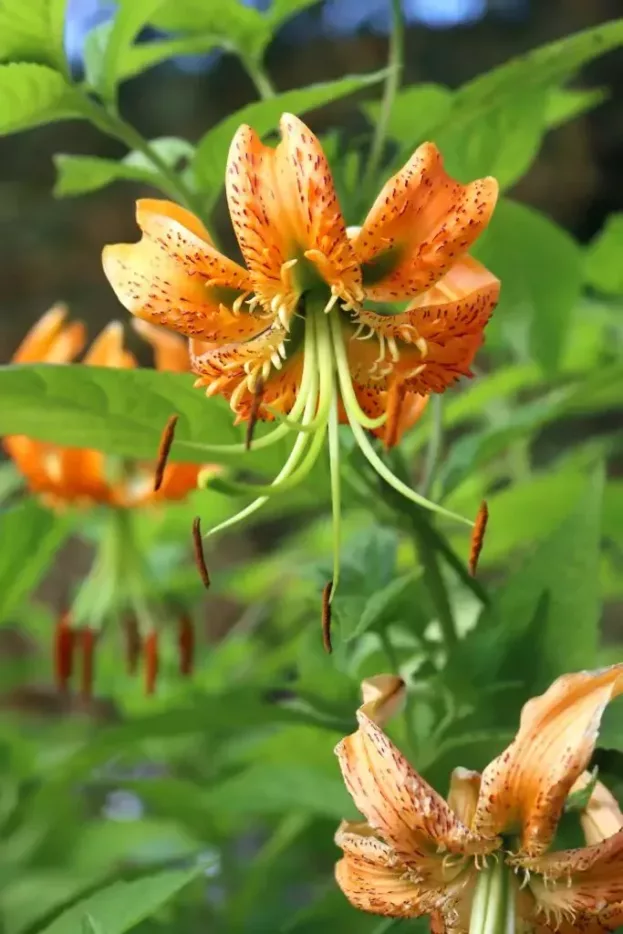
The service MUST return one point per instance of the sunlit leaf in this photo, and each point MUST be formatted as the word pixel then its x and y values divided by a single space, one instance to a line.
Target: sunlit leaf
pixel 565 104
pixel 32 31
pixel 123 905
pixel 34 94
pixel 234 24
pixel 604 270
pixel 35 534
pixel 264 116
pixel 130 17
pixel 540 267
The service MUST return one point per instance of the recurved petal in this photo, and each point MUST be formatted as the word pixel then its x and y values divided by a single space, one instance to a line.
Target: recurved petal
pixel 399 805
pixel 308 194
pixel 50 340
pixel 404 409
pixel 581 883
pixel 29 456
pixel 80 474
pixel 108 349
pixel 170 350
pixel 602 817
pixel 528 783
pixel 418 226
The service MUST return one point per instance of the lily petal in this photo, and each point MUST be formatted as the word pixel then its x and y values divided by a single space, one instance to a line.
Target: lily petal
pixel 374 880
pixel 170 351
pixel 174 276
pixel 404 409
pixel 463 795
pixel 50 340
pixel 108 349
pixel 579 883
pixel 420 223
pixel 398 804
pixel 527 784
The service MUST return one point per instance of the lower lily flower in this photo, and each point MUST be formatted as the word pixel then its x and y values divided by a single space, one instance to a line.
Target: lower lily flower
pixel 483 861
pixel 323 324
pixel 63 477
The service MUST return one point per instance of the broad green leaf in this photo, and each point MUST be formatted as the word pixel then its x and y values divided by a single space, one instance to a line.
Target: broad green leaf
pixel 565 104
pixel 119 411
pixel 32 31
pixel 10 480
pixel 77 175
pixel 34 534
pixel 264 116
pixel 604 269
pixel 130 17
pixel 234 25
pixel 540 266
pixel 544 621
pixel 123 905
pixel 385 606
pixel 502 142
pixel 34 94
pixel 415 111
pixel 143 55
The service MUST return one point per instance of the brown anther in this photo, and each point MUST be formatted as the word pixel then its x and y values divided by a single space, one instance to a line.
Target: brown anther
pixel 478 537
pixel 326 617
pixel 186 644
pixel 254 412
pixel 395 399
pixel 132 644
pixel 150 650
pixel 64 644
pixel 200 560
pixel 164 449
pixel 88 638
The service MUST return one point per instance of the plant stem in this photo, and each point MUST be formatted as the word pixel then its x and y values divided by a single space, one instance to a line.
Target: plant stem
pixel 425 546
pixel 259 77
pixel 434 445
pixel 113 125
pixel 392 83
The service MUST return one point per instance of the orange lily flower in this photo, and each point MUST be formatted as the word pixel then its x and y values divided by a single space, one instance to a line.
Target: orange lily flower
pixel 63 475
pixel 484 855
pixel 309 330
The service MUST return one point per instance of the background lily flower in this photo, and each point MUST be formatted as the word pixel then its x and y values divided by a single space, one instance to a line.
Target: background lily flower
pixel 118 583
pixel 63 476
pixel 308 331
pixel 487 850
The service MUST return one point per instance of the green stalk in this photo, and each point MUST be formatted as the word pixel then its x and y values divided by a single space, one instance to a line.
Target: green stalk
pixel 392 83
pixel 434 445
pixel 259 77
pixel 113 125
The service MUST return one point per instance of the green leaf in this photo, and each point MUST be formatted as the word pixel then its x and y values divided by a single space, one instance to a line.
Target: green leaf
pixel 121 412
pixel 234 25
pixel 604 270
pixel 123 905
pixel 130 18
pixel 544 621
pixel 384 606
pixel 32 31
pixel 502 142
pixel 540 266
pixel 10 480
pixel 76 175
pixel 415 111
pixel 143 55
pixel 263 116
pixel 282 10
pixel 34 94
pixel 565 104
pixel 35 534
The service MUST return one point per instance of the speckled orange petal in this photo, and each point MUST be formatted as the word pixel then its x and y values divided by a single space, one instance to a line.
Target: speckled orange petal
pixel 398 804
pixel 418 226
pixel 584 882
pixel 50 340
pixel 404 409
pixel 374 880
pixel 308 194
pixel 170 350
pixel 233 371
pixel 463 794
pixel 527 784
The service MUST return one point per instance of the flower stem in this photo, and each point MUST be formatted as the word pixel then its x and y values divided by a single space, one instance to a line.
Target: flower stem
pixel 394 664
pixel 113 125
pixel 434 445
pixel 336 492
pixel 392 83
pixel 260 78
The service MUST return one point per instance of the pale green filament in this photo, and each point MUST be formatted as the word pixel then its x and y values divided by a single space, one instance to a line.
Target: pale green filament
pixel 348 393
pixel 336 492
